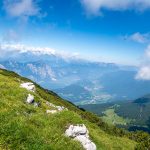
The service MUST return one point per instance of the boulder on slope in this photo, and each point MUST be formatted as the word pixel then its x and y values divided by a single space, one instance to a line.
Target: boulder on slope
pixel 29 86
pixel 30 99
pixel 81 134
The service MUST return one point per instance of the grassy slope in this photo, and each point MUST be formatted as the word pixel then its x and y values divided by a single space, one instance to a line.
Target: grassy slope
pixel 112 118
pixel 22 126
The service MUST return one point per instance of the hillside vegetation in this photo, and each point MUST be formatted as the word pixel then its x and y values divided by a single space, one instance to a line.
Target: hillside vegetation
pixel 112 118
pixel 134 113
pixel 26 127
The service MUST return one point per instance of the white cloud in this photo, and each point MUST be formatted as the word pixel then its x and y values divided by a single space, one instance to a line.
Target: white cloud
pixel 138 37
pixel 23 48
pixel 95 6
pixel 21 8
pixel 20 48
pixel 144 70
pixel 143 73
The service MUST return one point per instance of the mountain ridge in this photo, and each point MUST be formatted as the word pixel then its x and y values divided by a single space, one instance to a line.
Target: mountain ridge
pixel 57 74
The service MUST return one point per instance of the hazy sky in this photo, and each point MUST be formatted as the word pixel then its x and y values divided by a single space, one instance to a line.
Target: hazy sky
pixel 103 30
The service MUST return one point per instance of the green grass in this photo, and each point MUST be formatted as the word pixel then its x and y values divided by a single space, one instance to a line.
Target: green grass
pixel 112 118
pixel 24 127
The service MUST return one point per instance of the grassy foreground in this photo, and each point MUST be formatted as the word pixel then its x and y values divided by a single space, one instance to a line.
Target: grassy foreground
pixel 25 127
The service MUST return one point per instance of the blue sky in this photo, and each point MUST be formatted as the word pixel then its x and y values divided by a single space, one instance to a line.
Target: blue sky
pixel 101 30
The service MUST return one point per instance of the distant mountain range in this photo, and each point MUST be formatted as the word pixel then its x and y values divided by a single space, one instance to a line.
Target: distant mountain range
pixel 80 81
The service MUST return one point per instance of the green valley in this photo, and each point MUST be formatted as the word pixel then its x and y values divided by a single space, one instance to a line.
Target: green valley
pixel 112 118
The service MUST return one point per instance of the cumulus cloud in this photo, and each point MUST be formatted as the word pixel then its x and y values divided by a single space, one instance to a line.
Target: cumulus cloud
pixel 138 37
pixel 95 7
pixel 23 48
pixel 21 8
pixel 144 70
pixel 144 73
pixel 20 48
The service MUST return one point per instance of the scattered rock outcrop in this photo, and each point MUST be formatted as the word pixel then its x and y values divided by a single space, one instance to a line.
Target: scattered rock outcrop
pixel 30 99
pixel 29 86
pixel 58 108
pixel 81 134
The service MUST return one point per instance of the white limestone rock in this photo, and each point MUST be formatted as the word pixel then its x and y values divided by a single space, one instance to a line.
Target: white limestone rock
pixel 30 99
pixel 81 134
pixel 59 108
pixel 51 111
pixel 87 144
pixel 29 86
pixel 74 131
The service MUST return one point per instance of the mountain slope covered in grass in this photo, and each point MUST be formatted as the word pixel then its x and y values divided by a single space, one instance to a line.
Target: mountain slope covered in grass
pixel 24 126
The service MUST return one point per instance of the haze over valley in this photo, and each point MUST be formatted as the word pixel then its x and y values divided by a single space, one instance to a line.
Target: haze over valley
pixel 78 80
pixel 74 75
